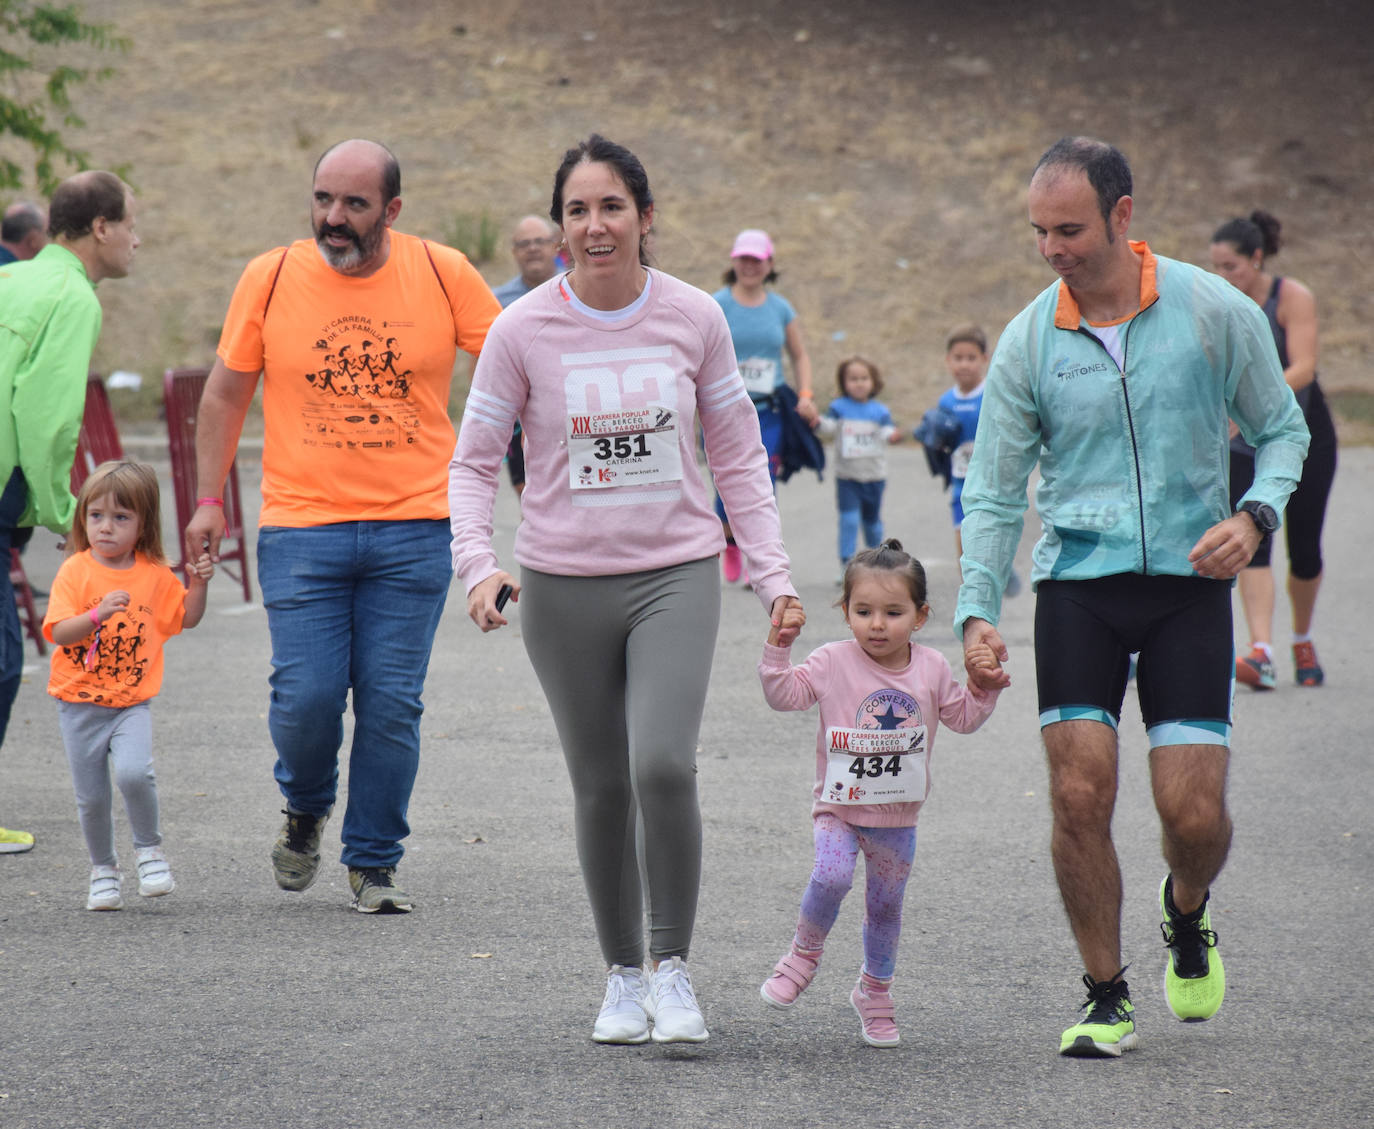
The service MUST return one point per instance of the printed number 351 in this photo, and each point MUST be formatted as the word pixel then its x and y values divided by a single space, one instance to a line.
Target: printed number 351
pixel 621 447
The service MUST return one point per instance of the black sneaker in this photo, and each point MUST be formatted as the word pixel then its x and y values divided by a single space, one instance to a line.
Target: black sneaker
pixel 375 890
pixel 1108 1028
pixel 296 854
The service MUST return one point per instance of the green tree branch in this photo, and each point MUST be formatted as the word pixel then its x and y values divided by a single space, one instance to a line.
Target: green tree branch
pixel 37 78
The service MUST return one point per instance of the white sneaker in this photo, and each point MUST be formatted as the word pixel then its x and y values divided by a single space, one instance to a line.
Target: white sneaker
pixel 154 875
pixel 623 1018
pixel 673 1006
pixel 104 889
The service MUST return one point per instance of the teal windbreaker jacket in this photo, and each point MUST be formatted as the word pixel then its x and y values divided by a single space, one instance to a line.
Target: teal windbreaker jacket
pixel 1133 459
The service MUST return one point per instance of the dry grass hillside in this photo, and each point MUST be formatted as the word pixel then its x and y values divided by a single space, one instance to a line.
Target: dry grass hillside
pixel 885 144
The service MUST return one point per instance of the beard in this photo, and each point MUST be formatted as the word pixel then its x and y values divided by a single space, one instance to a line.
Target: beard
pixel 362 247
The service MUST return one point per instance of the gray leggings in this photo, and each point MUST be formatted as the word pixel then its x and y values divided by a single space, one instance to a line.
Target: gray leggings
pixel 624 662
pixel 99 738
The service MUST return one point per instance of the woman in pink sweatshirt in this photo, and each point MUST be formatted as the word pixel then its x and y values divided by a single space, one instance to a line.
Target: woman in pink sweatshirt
pixel 882 698
pixel 609 369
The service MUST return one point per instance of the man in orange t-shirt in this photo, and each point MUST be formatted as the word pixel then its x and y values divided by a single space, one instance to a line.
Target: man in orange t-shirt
pixel 354 334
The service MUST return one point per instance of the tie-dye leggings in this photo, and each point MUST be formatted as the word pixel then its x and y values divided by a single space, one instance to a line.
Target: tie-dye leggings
pixel 888 853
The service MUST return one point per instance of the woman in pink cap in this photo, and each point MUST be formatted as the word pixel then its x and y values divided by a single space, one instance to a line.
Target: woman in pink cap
pixel 762 325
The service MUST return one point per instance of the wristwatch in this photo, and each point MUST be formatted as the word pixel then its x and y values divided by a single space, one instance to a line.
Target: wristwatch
pixel 1265 518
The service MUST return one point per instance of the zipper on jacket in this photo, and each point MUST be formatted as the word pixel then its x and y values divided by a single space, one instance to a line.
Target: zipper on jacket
pixel 1130 424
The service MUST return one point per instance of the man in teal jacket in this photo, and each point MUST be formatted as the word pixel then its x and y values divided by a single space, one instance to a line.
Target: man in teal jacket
pixel 1119 380
pixel 49 322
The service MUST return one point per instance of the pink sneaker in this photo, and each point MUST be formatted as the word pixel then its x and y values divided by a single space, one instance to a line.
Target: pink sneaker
pixel 791 975
pixel 872 999
pixel 732 563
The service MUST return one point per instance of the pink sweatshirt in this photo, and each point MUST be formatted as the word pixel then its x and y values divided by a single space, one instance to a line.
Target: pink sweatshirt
pixel 866 712
pixel 609 412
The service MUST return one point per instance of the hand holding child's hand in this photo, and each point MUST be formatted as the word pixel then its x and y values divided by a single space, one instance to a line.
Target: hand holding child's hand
pixel 113 603
pixel 788 619
pixel 981 657
pixel 202 568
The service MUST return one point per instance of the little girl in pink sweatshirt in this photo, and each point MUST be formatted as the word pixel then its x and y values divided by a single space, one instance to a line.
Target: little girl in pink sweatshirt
pixel 881 699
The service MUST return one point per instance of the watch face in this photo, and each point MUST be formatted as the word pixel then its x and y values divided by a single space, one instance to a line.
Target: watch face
pixel 1265 517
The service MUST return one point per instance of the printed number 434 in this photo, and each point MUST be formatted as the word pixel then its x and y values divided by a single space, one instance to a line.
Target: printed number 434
pixel 876 766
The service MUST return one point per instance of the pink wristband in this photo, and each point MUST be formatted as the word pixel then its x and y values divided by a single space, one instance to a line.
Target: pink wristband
pixel 94 613
pixel 210 502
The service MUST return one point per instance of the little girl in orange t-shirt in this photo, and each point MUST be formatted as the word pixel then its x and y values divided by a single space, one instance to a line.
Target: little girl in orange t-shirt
pixel 113 604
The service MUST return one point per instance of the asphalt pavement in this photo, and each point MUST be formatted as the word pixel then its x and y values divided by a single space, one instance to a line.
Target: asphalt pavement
pixel 232 1004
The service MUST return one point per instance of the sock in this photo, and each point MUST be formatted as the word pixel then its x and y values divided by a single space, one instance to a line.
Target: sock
pixel 1172 909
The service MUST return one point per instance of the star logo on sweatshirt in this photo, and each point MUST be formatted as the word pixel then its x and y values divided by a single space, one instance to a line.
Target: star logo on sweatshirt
pixel 888 720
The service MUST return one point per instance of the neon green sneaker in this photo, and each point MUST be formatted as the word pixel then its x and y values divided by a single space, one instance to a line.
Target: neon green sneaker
pixel 15 842
pixel 1194 980
pixel 1108 1028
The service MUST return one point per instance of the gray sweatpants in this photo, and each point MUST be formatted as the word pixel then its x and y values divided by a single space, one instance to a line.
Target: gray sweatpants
pixel 101 738
pixel 624 662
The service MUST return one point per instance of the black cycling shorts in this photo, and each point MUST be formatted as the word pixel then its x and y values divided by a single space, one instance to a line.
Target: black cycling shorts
pixel 1087 630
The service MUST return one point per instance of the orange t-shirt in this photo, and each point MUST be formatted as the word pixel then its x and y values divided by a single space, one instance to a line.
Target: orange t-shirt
pixel 128 666
pixel 356 375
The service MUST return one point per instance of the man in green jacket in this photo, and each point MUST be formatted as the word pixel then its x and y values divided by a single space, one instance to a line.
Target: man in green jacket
pixel 49 323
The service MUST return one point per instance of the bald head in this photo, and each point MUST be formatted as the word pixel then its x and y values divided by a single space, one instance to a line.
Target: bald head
pixel 534 224
pixel 92 215
pixel 358 149
pixel 82 199
pixel 534 243
pixel 24 230
pixel 355 198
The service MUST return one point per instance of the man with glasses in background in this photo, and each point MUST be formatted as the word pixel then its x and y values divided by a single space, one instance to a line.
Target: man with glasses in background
pixel 534 246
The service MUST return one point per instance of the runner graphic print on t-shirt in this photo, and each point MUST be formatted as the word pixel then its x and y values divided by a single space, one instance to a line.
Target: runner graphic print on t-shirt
pixel 121 663
pixel 116 660
pixel 359 395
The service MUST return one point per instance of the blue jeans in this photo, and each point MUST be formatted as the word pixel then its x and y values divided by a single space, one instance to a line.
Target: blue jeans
pixel 14 498
pixel 352 605
pixel 859 502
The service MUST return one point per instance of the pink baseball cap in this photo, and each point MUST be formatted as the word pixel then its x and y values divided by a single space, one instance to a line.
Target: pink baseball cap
pixel 754 243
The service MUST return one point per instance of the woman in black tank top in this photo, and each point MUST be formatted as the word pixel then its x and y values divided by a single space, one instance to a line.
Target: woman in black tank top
pixel 1239 252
